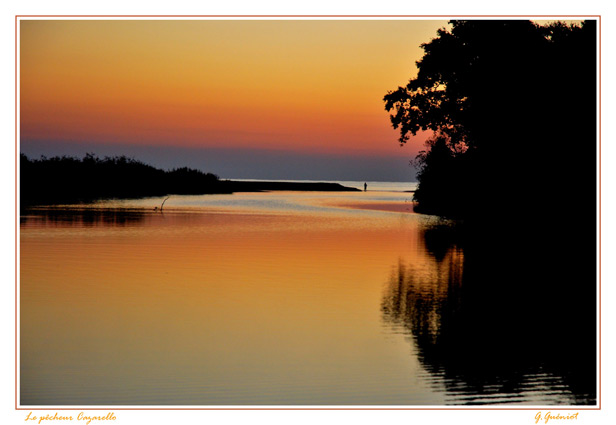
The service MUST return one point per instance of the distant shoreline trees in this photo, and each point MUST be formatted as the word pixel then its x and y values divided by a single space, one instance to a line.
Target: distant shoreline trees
pixel 65 179
pixel 68 179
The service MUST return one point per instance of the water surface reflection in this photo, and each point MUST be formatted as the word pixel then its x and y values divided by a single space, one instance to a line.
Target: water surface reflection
pixel 83 217
pixel 487 331
pixel 278 300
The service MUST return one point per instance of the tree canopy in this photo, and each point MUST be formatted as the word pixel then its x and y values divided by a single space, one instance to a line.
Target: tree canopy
pixel 512 106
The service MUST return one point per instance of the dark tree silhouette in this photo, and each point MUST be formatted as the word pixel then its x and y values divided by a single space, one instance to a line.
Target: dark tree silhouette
pixel 441 171
pixel 512 108
pixel 512 105
pixel 515 105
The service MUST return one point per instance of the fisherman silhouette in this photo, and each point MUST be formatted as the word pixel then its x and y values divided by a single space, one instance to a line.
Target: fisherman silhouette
pixel 365 186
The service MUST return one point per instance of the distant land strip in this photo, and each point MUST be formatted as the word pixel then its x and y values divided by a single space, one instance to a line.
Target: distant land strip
pixel 264 186
pixel 61 180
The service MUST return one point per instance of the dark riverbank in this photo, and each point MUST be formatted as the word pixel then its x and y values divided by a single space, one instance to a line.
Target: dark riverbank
pixel 61 180
pixel 231 186
pixel 221 187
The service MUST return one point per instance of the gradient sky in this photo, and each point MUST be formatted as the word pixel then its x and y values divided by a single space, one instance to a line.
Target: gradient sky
pixel 241 98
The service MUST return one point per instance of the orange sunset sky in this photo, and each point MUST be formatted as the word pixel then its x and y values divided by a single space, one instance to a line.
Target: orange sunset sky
pixel 242 98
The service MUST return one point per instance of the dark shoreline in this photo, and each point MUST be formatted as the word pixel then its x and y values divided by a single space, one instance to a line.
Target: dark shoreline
pixel 267 186
pixel 221 187
pixel 62 180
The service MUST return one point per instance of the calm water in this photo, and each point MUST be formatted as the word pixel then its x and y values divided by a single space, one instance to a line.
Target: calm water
pixel 281 298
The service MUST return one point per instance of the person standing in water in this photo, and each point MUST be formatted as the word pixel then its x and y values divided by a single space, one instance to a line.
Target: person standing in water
pixel 365 186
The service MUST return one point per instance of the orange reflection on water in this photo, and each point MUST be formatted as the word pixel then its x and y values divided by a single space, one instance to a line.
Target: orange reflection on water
pixel 213 309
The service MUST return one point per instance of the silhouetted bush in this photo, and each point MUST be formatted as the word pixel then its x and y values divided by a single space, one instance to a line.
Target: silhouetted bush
pixel 67 179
